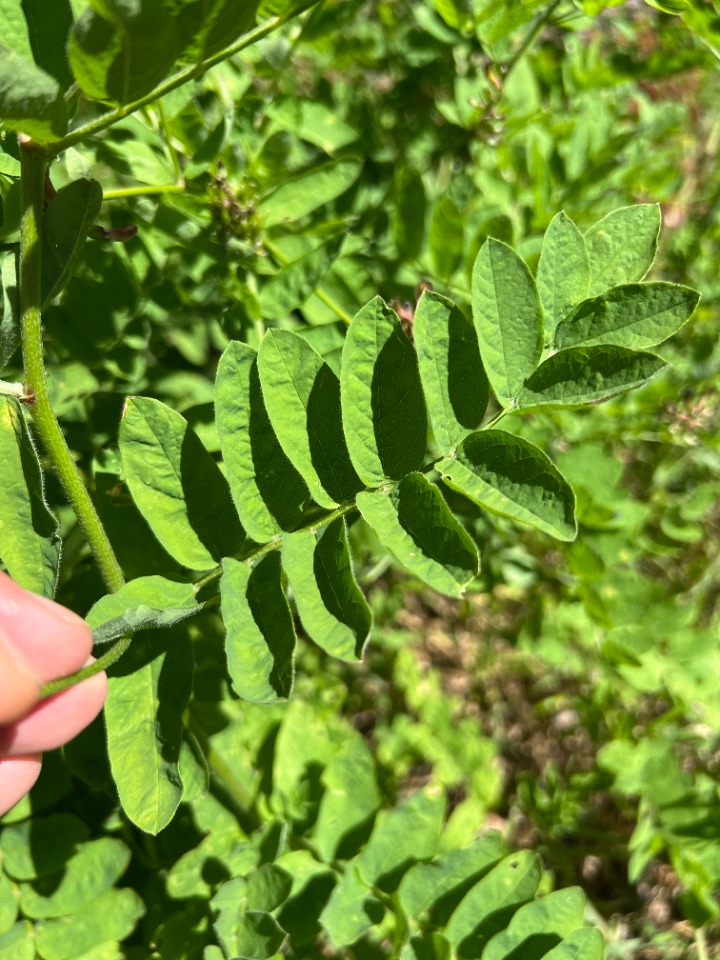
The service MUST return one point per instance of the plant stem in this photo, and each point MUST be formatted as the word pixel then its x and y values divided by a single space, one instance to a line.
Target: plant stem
pixel 193 72
pixel 701 944
pixel 509 65
pixel 33 161
pixel 102 663
pixel 146 191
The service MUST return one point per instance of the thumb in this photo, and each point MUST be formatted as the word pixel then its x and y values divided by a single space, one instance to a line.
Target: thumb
pixel 19 685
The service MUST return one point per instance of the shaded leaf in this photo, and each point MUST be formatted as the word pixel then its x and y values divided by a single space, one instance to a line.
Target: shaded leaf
pixel 177 486
pixel 148 691
pixel 454 381
pixel 31 101
pixel 37 847
pixel 510 476
pixel 260 641
pixel 507 316
pixel 291 286
pixel 302 398
pixel 563 277
pixel 48 24
pixel 351 910
pixel 65 227
pixel 110 918
pixel 269 493
pixel 587 943
pixel 10 318
pixel 29 540
pixel 637 315
pixel 383 408
pixel 332 607
pixel 446 239
pixel 539 925
pixel 415 524
pixel 350 800
pixel 582 375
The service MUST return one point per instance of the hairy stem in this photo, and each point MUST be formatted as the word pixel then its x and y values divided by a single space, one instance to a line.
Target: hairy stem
pixel 193 72
pixel 33 166
pixel 102 663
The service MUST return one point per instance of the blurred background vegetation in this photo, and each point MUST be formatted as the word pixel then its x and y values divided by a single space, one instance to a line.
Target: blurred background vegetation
pixel 572 699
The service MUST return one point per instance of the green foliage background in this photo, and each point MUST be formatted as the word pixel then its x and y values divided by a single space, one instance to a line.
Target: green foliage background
pixel 569 698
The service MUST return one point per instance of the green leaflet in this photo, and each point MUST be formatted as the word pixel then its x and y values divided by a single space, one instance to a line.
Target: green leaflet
pixel 65 227
pixel 177 486
pixel 408 212
pixel 148 692
pixel 454 381
pixel 415 524
pixel 122 53
pixel 637 315
pixel 95 868
pixel 270 495
pixel 446 238
pixel 214 25
pixel 31 101
pixel 383 407
pixel 332 607
pixel 483 911
pixel 18 942
pixel 10 317
pixel 313 121
pixel 260 641
pixel 507 316
pixel 291 286
pixel 111 917
pixel 563 277
pixel 302 398
pixel 584 944
pixel 581 375
pixel 139 604
pixel 350 800
pixel 622 246
pixel 351 910
pixel 557 914
pixel 401 837
pixel 507 475
pixel 8 905
pixel 304 192
pixel 442 883
pixel 47 24
pixel 37 847
pixel 29 538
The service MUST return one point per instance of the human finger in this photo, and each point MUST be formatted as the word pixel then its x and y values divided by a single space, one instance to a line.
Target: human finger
pixel 19 684
pixel 17 775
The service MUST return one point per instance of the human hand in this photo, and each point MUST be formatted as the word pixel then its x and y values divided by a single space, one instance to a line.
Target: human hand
pixel 39 641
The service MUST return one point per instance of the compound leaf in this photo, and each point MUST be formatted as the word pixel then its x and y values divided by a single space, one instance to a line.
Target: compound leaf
pixel 507 316
pixel 415 524
pixel 260 641
pixel 454 381
pixel 510 476
pixel 382 401
pixel 177 486
pixel 332 607
pixel 581 375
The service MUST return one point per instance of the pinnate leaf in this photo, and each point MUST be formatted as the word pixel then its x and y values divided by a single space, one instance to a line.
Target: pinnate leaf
pixel 177 486
pixel 582 375
pixel 510 476
pixel 30 541
pixel 269 493
pixel 563 277
pixel 383 408
pixel 637 315
pixel 302 397
pixel 456 387
pixel 622 246
pixel 507 316
pixel 260 641
pixel 332 607
pixel 415 524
